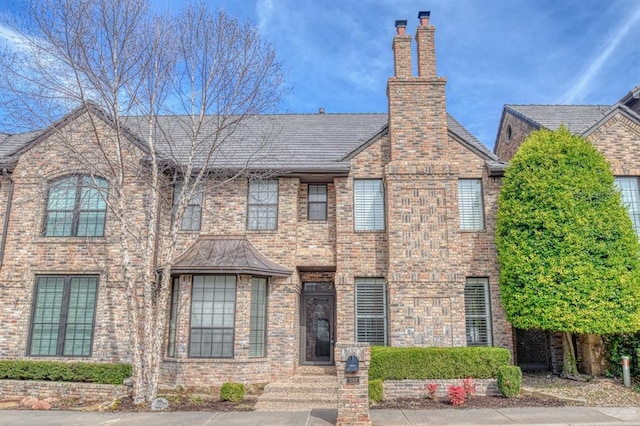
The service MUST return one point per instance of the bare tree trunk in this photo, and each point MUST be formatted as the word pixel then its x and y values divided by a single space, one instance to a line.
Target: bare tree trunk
pixel 569 367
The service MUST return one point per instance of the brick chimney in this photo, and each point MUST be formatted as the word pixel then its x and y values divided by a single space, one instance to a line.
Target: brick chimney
pixel 417 107
pixel 426 46
pixel 402 51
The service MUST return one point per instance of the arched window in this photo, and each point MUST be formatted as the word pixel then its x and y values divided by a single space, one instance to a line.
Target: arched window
pixel 76 207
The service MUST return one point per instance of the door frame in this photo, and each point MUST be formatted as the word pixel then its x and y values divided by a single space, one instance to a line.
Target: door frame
pixel 304 294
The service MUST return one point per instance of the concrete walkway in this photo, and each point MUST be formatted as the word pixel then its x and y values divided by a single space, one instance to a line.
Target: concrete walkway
pixel 556 416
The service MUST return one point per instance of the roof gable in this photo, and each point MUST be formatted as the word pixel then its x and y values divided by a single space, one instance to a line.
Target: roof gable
pixel 576 118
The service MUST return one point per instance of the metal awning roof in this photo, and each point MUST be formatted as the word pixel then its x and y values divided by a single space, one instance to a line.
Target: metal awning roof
pixel 226 255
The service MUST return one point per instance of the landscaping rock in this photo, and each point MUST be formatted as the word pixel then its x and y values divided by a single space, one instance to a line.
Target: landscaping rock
pixel 159 404
pixel 41 404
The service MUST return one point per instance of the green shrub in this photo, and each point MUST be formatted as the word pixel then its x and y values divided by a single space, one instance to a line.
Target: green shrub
pixel 389 363
pixel 233 392
pixel 112 374
pixel 509 380
pixel 618 345
pixel 375 390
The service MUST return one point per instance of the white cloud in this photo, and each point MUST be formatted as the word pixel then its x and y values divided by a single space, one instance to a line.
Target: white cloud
pixel 581 88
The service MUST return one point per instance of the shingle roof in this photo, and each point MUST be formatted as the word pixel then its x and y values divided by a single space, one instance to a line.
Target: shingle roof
pixel 11 143
pixel 471 141
pixel 295 142
pixel 576 118
pixel 291 142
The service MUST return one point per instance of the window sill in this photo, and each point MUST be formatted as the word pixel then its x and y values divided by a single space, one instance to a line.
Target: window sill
pixel 72 240
pixel 472 231
pixel 217 360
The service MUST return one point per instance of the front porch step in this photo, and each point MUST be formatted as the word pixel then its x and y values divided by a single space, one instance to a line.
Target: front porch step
pixel 301 392
pixel 316 370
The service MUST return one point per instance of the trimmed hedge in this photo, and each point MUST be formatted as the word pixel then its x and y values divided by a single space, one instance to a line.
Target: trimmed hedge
pixel 231 391
pixel 509 380
pixel 375 390
pixel 390 363
pixel 110 374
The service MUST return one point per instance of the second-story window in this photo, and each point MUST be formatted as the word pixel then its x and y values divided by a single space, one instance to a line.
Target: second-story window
pixel 317 206
pixel 628 187
pixel 193 213
pixel 76 207
pixel 262 208
pixel 470 205
pixel 368 205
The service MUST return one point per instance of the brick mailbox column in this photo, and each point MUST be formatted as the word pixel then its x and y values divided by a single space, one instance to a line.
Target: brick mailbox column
pixel 353 387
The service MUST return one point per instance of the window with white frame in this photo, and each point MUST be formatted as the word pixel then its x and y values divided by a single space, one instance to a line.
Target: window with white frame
pixel 477 312
pixel 213 308
pixel 192 217
pixel 371 311
pixel 628 187
pixel 368 205
pixel 76 207
pixel 470 205
pixel 262 207
pixel 317 204
pixel 258 317
pixel 63 316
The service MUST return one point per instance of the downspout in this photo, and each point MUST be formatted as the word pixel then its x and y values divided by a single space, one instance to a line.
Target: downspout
pixel 5 224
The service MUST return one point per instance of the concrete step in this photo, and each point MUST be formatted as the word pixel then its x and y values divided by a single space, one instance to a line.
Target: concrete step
pixel 288 406
pixel 316 370
pixel 301 392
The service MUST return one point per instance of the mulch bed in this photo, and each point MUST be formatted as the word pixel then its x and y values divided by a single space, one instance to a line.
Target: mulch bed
pixel 473 402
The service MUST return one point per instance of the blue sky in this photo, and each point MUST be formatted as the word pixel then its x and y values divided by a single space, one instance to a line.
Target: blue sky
pixel 337 54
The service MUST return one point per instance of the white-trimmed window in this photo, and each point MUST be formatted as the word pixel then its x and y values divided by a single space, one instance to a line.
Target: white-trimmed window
pixel 368 205
pixel 213 309
pixel 477 309
pixel 258 318
pixel 193 212
pixel 371 311
pixel 63 316
pixel 631 198
pixel 470 205
pixel 262 205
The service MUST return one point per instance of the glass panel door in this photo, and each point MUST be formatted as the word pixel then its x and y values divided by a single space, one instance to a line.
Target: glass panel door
pixel 317 329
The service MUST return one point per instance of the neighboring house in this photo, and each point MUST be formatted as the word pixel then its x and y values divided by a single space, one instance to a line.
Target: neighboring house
pixel 371 228
pixel 615 131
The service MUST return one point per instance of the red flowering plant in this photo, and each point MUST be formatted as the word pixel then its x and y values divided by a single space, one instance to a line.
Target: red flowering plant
pixel 469 386
pixel 433 390
pixel 457 395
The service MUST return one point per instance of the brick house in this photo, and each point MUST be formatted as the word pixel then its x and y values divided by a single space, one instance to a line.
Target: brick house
pixel 615 131
pixel 371 228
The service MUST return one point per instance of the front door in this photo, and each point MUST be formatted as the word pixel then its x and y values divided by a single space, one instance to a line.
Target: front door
pixel 317 328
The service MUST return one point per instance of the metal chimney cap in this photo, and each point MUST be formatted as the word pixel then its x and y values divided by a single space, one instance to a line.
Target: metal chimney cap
pixel 424 14
pixel 401 23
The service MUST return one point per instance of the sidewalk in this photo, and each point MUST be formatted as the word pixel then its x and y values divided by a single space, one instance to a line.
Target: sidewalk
pixel 556 416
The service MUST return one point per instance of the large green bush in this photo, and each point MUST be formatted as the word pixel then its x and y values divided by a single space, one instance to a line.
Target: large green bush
pixel 112 374
pixel 231 391
pixel 569 256
pixel 509 380
pixel 390 363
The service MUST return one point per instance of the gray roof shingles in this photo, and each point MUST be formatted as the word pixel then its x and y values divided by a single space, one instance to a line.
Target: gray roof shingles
pixel 576 118
pixel 293 142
